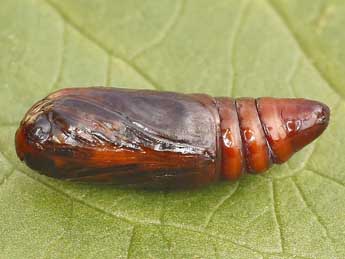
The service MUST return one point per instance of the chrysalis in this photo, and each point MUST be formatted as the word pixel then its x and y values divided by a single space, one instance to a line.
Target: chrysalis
pixel 162 139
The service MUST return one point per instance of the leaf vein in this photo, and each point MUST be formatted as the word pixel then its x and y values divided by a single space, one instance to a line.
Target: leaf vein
pixel 301 46
pixel 292 74
pixel 238 24
pixel 101 210
pixel 7 176
pixel 130 245
pixel 163 34
pixel 219 205
pixel 55 240
pixel 108 74
pixel 51 243
pixel 277 215
pixel 134 222
pixel 161 220
pixel 59 71
pixel 327 177
pixel 316 216
pixel 99 44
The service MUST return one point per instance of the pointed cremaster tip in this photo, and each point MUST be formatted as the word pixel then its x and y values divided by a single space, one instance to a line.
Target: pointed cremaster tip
pixel 291 124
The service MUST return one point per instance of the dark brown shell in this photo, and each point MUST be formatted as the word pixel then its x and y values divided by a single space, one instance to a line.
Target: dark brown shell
pixel 122 136
pixel 161 139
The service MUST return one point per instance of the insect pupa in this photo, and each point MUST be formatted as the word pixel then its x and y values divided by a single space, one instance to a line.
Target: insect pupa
pixel 162 139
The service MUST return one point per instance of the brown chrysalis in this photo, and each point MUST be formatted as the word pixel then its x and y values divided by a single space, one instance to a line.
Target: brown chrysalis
pixel 162 139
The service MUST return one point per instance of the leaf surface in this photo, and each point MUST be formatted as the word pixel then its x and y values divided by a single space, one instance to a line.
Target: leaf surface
pixel 285 48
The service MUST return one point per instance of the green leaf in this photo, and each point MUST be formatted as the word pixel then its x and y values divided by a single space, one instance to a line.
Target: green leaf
pixel 226 47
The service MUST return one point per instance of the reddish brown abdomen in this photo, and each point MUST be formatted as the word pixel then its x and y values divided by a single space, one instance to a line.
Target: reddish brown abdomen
pixel 258 132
